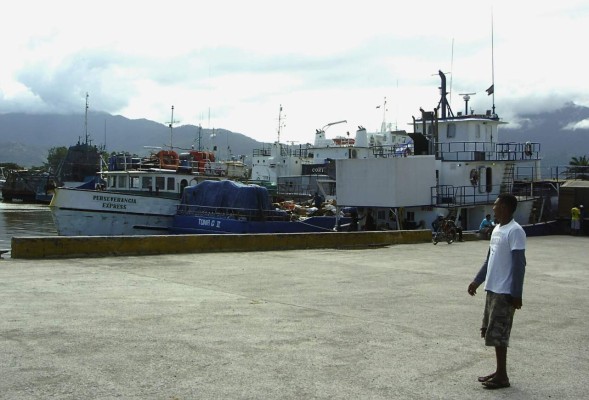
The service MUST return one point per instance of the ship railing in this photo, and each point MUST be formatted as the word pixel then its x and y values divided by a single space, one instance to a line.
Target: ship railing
pixel 285 151
pixel 262 152
pixel 452 196
pixel 487 151
pixel 393 150
pixel 235 213
pixel 567 172
pixel 292 189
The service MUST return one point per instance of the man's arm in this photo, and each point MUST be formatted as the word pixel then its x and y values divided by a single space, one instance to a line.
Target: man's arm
pixel 518 261
pixel 480 277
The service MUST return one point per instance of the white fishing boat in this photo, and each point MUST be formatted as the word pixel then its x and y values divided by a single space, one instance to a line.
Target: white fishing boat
pixel 139 195
pixel 133 202
pixel 457 167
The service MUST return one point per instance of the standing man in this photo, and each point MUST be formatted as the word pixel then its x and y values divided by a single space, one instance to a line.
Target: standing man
pixel 575 220
pixel 503 273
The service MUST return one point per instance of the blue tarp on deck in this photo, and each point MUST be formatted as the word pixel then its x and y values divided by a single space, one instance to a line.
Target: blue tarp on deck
pixel 227 194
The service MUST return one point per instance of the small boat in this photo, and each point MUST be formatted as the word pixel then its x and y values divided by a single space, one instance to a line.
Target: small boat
pixel 2 178
pixel 24 185
pixel 223 207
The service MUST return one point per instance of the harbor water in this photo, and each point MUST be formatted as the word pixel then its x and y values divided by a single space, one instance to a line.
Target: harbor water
pixel 21 219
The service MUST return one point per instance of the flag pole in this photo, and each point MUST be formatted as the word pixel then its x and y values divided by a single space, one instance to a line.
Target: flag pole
pixel 492 61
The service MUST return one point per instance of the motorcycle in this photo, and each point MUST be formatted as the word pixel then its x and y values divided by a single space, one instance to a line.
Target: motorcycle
pixel 446 232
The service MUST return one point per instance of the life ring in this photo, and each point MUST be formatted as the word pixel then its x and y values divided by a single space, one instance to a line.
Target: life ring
pixel 528 149
pixel 474 177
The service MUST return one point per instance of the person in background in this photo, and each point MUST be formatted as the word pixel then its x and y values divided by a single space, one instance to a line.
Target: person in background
pixel 582 219
pixel 486 226
pixel 503 273
pixel 317 200
pixel 437 224
pixel 575 220
pixel 457 224
pixel 369 223
pixel 459 228
pixel 353 227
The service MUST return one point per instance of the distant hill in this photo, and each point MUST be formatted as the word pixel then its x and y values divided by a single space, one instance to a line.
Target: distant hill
pixel 26 138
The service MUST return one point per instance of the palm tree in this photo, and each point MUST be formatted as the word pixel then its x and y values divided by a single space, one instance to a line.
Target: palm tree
pixel 579 167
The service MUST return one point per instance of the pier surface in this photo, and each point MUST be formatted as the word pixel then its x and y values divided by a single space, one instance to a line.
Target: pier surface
pixel 381 323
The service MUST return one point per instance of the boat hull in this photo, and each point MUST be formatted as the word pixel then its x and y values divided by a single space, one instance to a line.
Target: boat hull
pixel 205 224
pixel 78 212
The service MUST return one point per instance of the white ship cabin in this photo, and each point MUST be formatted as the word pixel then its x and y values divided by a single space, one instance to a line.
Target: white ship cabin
pixel 278 159
pixel 459 166
pixel 161 182
pixel 362 146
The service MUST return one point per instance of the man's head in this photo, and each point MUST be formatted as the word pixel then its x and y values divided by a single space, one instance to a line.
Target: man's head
pixel 504 207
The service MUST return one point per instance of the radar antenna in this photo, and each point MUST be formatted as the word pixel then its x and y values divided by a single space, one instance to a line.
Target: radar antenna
pixel 466 97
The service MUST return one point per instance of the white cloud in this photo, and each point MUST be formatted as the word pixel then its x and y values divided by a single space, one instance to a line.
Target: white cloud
pixel 583 124
pixel 322 60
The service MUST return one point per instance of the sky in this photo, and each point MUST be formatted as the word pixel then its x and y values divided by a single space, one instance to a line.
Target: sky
pixel 233 64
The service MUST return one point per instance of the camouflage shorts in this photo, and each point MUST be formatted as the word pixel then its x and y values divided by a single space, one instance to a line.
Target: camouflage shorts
pixel 497 319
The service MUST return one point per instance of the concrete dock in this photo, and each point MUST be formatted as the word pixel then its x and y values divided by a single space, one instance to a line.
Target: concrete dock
pixel 381 323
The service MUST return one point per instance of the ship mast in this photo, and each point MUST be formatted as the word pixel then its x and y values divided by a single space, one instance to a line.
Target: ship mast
pixel 383 126
pixel 86 119
pixel 281 123
pixel 171 125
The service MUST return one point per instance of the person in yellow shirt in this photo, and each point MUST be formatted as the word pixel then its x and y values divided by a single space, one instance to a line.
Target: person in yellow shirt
pixel 575 220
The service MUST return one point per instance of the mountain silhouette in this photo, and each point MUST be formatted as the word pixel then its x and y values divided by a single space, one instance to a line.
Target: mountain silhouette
pixel 26 138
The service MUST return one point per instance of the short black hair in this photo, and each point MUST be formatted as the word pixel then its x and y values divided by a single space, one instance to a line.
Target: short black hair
pixel 509 200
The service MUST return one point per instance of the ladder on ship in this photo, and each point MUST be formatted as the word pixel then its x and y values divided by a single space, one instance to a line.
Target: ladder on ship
pixel 508 178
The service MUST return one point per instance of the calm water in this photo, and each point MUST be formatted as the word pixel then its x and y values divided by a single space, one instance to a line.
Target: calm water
pixel 18 219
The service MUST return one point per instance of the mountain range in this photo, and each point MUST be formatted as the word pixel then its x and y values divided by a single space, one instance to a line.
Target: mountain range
pixel 26 138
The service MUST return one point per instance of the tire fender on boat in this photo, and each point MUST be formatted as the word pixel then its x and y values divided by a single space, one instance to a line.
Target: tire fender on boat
pixel 474 177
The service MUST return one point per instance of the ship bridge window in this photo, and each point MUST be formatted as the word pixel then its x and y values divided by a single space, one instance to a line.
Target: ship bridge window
pixel 171 183
pixel 451 131
pixel 478 132
pixel 122 182
pixel 133 182
pixel 146 182
pixel 112 181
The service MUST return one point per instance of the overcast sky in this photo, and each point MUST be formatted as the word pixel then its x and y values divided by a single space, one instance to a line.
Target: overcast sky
pixel 231 64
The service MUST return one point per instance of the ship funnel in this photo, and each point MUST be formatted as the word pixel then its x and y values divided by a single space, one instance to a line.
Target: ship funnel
pixel 361 137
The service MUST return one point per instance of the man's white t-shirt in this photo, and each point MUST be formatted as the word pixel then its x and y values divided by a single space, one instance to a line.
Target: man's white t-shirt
pixel 504 239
